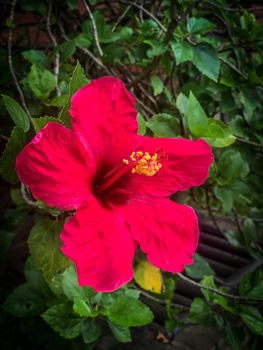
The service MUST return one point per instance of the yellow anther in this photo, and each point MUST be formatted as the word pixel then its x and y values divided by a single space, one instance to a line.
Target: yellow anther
pixel 143 163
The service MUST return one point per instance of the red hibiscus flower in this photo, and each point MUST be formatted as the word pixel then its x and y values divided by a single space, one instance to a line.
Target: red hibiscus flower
pixel 117 182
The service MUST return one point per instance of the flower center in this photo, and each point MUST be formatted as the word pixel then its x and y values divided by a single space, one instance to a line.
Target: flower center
pixel 143 163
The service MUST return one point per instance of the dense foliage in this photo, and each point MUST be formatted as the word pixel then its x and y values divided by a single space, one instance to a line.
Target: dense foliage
pixel 196 70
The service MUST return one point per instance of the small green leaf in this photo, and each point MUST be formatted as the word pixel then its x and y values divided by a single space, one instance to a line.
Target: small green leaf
pixel 128 312
pixel 17 113
pixel 199 25
pixel 61 318
pixel 14 145
pixel 200 313
pixel 67 49
pixel 141 124
pixel 163 125
pixel 182 103
pixel 77 81
pixel 41 81
pixel 157 85
pixel 72 288
pixel 44 246
pixel 206 60
pixel 183 52
pixel 195 114
pixel 252 284
pixel 90 331
pixel 234 336
pixel 226 197
pixel 24 302
pixel 122 334
pixel 82 308
pixel 231 166
pixel 35 57
pixel 39 123
pixel 199 268
pixel 252 318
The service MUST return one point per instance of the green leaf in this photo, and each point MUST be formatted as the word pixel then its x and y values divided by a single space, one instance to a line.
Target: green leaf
pixel 200 313
pixel 199 25
pixel 252 284
pixel 183 52
pixel 39 123
pixel 182 103
pixel 63 321
pixel 226 197
pixel 71 286
pixel 24 302
pixel 141 124
pixel 41 81
pixel 77 81
pixel 233 335
pixel 82 308
pixel 195 114
pixel 17 113
pixel 252 318
pixel 90 331
pixel 122 334
pixel 35 278
pixel 213 298
pixel 157 85
pixel 128 312
pixel 67 49
pixel 14 145
pixel 44 245
pixel 35 57
pixel 163 125
pixel 206 60
pixel 216 133
pixel 231 166
pixel 199 268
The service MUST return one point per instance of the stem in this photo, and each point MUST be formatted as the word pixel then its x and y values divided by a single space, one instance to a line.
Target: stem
pixel 219 292
pixel 96 38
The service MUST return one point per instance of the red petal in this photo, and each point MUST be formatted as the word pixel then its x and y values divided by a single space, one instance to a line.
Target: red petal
pixel 104 112
pixel 166 231
pixel 187 165
pixel 56 168
pixel 100 244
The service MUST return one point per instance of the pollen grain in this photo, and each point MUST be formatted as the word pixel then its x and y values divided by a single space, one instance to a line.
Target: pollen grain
pixel 143 163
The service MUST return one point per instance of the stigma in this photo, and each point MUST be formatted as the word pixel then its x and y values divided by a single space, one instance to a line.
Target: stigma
pixel 143 163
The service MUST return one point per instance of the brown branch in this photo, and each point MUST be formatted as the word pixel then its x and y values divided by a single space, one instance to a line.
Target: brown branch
pixel 217 291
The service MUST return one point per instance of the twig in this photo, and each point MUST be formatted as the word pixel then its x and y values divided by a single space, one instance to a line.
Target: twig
pixel 86 51
pixel 233 67
pixel 26 198
pixel 54 42
pixel 121 17
pixel 160 301
pixel 10 61
pixel 143 10
pixel 96 38
pixel 252 143
pixel 210 211
pixel 217 291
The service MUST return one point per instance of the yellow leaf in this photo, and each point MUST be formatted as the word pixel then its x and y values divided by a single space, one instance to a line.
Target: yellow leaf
pixel 148 277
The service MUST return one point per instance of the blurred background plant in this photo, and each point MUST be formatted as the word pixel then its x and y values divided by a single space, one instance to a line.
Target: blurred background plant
pixel 196 70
